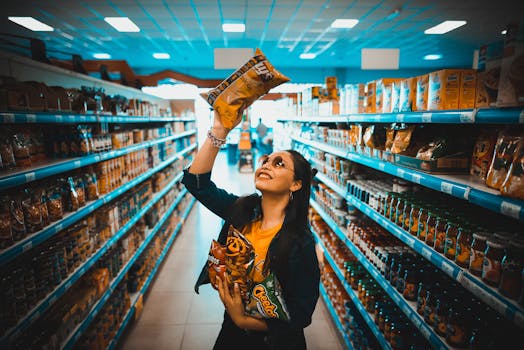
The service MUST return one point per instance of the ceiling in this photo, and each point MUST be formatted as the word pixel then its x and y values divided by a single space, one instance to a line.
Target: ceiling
pixel 283 29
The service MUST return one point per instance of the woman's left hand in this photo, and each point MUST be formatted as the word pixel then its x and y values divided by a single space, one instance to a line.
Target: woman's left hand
pixel 232 302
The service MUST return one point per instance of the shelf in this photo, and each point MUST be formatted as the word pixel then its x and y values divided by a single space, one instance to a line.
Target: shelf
pixel 384 344
pixel 81 328
pixel 458 186
pixel 35 239
pixel 467 116
pixel 488 295
pixel 64 286
pixel 20 177
pixel 331 184
pixel 335 318
pixel 73 118
pixel 112 345
pixel 434 339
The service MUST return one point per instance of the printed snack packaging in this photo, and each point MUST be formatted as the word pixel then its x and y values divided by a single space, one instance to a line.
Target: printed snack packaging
pixel 216 263
pixel 488 76
pixel 483 154
pixel 361 98
pixel 408 93
pixel 468 89
pixel 422 92
pixel 247 84
pixel 239 260
pixel 511 84
pixel 513 185
pixel 444 89
pixel 502 159
pixel 371 97
pixel 266 300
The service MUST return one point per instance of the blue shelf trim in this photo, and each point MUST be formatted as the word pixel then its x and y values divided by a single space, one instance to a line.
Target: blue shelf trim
pixel 466 116
pixel 507 206
pixel 365 315
pixel 145 287
pixel 64 118
pixel 50 299
pixel 490 296
pixel 82 327
pixel 335 318
pixel 408 308
pixel 37 238
pixel 41 172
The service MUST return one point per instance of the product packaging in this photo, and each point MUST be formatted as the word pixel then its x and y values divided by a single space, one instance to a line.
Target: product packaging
pixel 513 185
pixel 511 85
pixel 383 94
pixel 488 76
pixel 266 300
pixel 395 96
pixel 247 84
pixel 422 92
pixel 483 153
pixel 502 159
pixel 444 89
pixel 370 101
pixel 408 93
pixel 240 256
pixel 468 89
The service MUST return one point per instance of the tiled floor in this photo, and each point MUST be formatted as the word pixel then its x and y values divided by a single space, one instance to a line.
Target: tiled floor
pixel 174 316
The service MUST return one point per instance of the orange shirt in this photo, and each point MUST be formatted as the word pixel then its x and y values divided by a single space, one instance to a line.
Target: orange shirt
pixel 260 239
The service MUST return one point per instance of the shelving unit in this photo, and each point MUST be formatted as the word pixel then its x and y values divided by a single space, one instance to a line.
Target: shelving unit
pixel 365 315
pixel 409 310
pixel 145 287
pixel 20 177
pixel 460 186
pixel 81 328
pixel 71 118
pixel 466 116
pixel 37 238
pixel 335 318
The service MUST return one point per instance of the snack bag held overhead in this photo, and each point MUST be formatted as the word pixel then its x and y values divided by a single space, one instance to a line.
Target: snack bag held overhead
pixel 247 84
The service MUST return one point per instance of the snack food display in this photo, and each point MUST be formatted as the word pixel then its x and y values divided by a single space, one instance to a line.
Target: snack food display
pixel 247 84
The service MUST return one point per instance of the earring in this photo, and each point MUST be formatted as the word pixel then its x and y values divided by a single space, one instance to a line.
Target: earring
pixel 290 196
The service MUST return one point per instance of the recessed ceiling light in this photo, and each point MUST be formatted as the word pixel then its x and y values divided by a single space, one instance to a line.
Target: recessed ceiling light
pixel 102 56
pixel 307 56
pixel 504 32
pixel 432 57
pixel 161 56
pixel 445 27
pixel 122 24
pixel 32 24
pixel 344 23
pixel 234 27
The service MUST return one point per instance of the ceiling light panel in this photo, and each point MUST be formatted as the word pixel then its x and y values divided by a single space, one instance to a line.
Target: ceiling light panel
pixel 233 27
pixel 102 56
pixel 307 56
pixel 445 27
pixel 161 56
pixel 122 24
pixel 31 24
pixel 344 23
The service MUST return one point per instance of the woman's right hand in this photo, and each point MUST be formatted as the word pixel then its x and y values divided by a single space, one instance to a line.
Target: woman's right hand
pixel 218 128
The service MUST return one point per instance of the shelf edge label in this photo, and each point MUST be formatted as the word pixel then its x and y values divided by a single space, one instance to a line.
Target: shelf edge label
pixel 27 246
pixel 9 118
pixel 510 209
pixel 30 118
pixel 521 117
pixel 467 117
pixel 30 176
pixel 416 178
pixel 446 187
pixel 427 117
pixel 426 253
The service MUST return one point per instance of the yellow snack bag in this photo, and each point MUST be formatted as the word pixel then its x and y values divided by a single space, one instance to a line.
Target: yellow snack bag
pixel 247 84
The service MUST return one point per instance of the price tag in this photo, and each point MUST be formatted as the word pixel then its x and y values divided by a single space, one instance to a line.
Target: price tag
pixel 30 176
pixel 35 316
pixel 416 178
pixel 77 164
pixel 467 117
pixel 82 270
pixel 425 332
pixel 521 117
pixel 27 246
pixel 447 268
pixel 510 209
pixel 416 321
pixel 8 118
pixel 410 241
pixel 446 187
pixel 381 166
pixel 466 193
pixel 400 118
pixel 406 309
pixel 426 117
pixel 52 300
pixel 374 273
pixel 58 118
pixel 30 118
pixel 396 298
pixel 426 253
pixel 68 285
pixel 58 228
pixel 401 173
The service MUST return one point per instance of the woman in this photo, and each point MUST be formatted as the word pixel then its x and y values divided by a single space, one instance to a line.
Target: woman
pixel 277 226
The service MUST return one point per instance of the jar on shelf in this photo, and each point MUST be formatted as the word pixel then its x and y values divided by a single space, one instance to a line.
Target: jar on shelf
pixel 450 244
pixel 408 208
pixel 431 304
pixel 492 265
pixel 512 265
pixel 410 286
pixel 457 332
pixel 463 248
pixel 399 210
pixel 422 223
pixel 441 314
pixel 413 218
pixel 391 209
pixel 431 224
pixel 477 248
pixel 440 232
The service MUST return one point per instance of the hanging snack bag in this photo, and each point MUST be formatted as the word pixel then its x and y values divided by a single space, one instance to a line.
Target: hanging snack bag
pixel 502 159
pixel 247 84
pixel 402 139
pixel 216 263
pixel 240 257
pixel 266 300
pixel 483 154
pixel 513 185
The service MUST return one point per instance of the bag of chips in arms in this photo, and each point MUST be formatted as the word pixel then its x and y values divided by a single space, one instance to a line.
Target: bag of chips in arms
pixel 266 300
pixel 246 85
pixel 239 260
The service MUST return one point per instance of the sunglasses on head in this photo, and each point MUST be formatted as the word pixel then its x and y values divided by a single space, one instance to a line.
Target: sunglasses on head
pixel 276 162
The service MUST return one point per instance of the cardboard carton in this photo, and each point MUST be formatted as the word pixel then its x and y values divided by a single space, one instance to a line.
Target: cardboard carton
pixel 468 88
pixel 371 97
pixel 408 93
pixel 361 98
pixel 444 89
pixel 511 85
pixel 383 94
pixel 395 97
pixel 422 92
pixel 488 76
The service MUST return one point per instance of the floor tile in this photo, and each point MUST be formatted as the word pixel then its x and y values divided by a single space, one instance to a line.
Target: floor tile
pixel 206 307
pixel 166 308
pixel 200 337
pixel 157 337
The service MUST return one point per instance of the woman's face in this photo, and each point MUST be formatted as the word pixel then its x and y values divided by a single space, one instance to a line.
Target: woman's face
pixel 275 174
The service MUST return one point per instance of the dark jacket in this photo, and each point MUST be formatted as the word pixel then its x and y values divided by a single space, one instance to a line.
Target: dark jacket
pixel 301 285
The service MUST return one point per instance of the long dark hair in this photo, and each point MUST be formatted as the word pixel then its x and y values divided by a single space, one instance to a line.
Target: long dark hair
pixel 296 218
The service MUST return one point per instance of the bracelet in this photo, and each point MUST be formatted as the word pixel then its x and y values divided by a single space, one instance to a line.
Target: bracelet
pixel 215 140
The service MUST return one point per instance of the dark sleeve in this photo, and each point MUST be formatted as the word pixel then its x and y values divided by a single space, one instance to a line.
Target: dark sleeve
pixel 301 297
pixel 206 192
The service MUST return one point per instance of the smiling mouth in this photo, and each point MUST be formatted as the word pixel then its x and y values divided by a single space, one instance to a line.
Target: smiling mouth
pixel 264 176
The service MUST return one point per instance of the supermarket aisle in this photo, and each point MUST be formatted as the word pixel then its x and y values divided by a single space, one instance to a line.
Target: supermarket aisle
pixel 174 316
